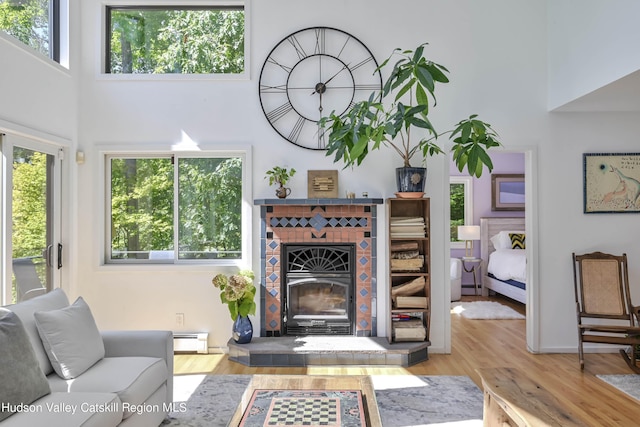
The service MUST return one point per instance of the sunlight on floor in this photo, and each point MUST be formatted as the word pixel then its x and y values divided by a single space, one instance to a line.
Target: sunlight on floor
pixel 457 309
pixel 465 423
pixel 185 385
pixel 389 382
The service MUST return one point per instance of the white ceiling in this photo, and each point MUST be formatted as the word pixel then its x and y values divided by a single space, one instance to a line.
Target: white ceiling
pixel 621 95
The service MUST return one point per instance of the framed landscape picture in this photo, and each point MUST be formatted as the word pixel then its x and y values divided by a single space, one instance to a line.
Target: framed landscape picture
pixel 611 182
pixel 507 192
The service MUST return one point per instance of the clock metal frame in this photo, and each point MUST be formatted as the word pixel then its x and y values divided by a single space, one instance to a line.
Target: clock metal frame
pixel 310 74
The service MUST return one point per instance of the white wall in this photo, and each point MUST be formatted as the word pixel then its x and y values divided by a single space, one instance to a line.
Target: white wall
pixel 35 92
pixel 591 44
pixel 497 53
pixel 467 37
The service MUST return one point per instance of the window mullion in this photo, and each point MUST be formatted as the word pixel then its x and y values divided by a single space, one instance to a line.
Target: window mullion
pixel 176 207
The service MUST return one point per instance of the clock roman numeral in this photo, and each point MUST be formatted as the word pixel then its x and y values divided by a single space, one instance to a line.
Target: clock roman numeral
pixel 361 63
pixel 297 46
pixel 322 143
pixel 343 46
pixel 320 41
pixel 372 86
pixel 279 112
pixel 284 67
pixel 297 129
pixel 273 89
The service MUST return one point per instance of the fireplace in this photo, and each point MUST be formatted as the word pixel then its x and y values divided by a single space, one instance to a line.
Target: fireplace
pixel 318 289
pixel 330 222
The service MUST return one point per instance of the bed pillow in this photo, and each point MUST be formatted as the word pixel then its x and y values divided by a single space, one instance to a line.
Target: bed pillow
pixel 502 240
pixel 71 338
pixel 517 240
pixel 20 375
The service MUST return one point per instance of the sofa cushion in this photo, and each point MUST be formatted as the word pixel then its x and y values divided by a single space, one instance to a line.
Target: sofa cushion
pixel 71 410
pixel 71 338
pixel 134 379
pixel 21 378
pixel 49 301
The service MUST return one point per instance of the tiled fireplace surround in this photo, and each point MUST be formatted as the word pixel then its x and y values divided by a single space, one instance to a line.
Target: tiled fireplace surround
pixel 321 221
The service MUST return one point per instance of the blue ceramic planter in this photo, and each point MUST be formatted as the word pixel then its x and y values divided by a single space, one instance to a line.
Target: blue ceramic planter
pixel 242 330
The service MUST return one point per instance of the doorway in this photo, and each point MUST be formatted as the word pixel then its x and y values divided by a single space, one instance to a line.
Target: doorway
pixel 514 161
pixel 31 183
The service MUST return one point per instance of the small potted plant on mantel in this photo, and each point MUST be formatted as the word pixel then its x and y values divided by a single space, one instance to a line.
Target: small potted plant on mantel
pixel 370 124
pixel 280 176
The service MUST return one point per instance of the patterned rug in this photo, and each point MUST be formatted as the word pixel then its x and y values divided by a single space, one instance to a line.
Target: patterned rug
pixel 629 384
pixel 403 400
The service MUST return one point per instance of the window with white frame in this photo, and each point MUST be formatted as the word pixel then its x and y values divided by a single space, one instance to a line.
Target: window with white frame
pixel 174 208
pixel 175 39
pixel 36 23
pixel 461 199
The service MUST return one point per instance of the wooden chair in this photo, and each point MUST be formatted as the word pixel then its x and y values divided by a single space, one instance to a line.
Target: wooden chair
pixel 603 304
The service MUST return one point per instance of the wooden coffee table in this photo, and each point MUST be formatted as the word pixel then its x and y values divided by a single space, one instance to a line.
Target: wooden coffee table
pixel 313 382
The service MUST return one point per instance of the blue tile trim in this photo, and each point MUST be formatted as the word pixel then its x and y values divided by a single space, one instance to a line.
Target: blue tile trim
pixel 318 222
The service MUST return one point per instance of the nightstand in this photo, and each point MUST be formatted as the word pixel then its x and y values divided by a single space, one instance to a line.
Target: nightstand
pixel 474 269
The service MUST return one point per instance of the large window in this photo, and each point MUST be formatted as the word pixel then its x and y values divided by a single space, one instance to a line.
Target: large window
pixel 175 40
pixel 35 23
pixel 461 197
pixel 174 208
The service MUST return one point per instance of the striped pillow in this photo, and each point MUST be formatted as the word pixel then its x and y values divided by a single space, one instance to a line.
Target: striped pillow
pixel 517 240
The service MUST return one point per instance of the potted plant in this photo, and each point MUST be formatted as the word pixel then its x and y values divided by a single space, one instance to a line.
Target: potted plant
pixel 238 292
pixel 389 117
pixel 280 176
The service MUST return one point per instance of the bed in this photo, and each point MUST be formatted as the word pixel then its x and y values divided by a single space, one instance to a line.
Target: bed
pixel 504 269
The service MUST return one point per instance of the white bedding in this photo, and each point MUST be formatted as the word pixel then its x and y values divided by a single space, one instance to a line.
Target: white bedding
pixel 508 264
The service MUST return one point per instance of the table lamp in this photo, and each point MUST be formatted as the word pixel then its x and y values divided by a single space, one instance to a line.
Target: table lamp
pixel 468 233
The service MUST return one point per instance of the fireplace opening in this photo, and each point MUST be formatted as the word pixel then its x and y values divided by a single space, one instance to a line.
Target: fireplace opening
pixel 318 289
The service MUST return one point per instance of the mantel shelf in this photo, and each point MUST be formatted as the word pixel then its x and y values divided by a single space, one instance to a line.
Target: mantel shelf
pixel 321 201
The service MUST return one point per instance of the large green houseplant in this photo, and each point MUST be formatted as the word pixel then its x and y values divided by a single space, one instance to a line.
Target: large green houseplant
pixel 389 117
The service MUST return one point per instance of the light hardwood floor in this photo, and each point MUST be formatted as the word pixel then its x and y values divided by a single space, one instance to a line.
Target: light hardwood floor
pixel 484 344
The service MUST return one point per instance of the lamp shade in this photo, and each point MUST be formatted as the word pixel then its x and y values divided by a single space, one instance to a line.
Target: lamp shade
pixel 469 232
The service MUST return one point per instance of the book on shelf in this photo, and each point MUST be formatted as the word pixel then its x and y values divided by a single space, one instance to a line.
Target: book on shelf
pixel 406 322
pixel 401 227
pixel 410 229
pixel 406 220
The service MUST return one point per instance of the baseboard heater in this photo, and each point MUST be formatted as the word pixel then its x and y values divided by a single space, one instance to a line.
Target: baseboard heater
pixel 189 342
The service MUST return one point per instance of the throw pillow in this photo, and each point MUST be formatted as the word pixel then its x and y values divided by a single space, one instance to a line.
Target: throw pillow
pixel 20 375
pixel 517 240
pixel 71 338
pixel 50 301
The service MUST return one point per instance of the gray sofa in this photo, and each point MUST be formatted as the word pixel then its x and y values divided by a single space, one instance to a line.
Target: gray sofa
pixel 59 370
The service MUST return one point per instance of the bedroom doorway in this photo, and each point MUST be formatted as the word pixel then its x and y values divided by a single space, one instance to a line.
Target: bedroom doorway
pixel 521 161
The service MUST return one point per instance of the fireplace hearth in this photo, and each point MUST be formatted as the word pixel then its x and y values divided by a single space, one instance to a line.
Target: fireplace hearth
pixel 318 289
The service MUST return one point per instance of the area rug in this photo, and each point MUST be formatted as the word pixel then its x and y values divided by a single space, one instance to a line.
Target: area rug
pixel 403 400
pixel 484 310
pixel 629 384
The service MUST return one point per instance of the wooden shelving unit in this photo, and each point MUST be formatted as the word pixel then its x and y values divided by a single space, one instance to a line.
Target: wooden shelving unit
pixel 409 254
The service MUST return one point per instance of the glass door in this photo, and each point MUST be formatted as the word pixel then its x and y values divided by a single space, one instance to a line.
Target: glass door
pixel 31 184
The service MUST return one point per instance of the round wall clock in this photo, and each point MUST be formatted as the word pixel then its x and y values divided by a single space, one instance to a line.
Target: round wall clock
pixel 310 74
